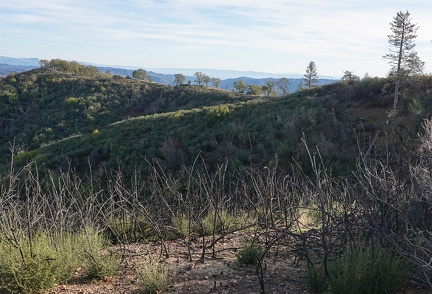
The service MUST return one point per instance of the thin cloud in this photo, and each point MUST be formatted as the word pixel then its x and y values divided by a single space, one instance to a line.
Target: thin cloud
pixel 348 31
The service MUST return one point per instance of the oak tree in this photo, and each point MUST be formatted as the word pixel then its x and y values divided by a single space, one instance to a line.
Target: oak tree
pixel 283 86
pixel 216 82
pixel 268 87
pixel 253 90
pixel 239 86
pixel 206 79
pixel 44 63
pixel 179 79
pixel 199 78
pixel 139 74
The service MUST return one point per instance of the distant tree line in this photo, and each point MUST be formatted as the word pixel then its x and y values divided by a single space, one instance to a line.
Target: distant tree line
pixel 268 89
pixel 282 85
pixel 69 67
pixel 202 78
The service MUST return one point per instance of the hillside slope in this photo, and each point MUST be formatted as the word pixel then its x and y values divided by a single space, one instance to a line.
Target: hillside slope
pixel 63 119
pixel 43 106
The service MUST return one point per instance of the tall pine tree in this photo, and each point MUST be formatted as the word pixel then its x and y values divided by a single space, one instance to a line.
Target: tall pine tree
pixel 311 75
pixel 402 58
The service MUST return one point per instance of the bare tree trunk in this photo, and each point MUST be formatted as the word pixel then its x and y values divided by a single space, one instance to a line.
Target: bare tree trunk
pixel 396 95
pixel 372 144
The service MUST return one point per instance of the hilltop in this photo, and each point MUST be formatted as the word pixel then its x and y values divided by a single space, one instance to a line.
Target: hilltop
pixel 10 65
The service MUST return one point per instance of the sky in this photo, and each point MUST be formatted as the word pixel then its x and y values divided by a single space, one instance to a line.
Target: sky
pixel 271 36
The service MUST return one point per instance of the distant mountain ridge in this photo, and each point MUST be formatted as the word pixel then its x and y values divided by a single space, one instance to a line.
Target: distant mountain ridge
pixel 226 74
pixel 7 69
pixel 167 75
pixel 19 61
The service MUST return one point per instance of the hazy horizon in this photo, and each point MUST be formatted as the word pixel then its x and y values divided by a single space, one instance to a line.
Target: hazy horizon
pixel 277 36
pixel 274 36
pixel 217 73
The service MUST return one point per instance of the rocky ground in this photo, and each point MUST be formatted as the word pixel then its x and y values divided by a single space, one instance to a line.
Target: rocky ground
pixel 283 273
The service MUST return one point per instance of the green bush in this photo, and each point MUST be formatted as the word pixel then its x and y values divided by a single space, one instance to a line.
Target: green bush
pixel 362 269
pixel 316 278
pixel 128 229
pixel 181 224
pixel 368 269
pixel 35 264
pixel 249 253
pixel 99 263
pixel 153 277
pixel 224 221
pixel 416 107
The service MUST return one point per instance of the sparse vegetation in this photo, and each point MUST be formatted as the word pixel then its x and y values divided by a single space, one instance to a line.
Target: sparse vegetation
pixel 250 252
pixel 153 277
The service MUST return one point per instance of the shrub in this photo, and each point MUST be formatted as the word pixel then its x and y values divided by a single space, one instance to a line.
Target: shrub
pixel 368 269
pixel 37 264
pixel 250 253
pixel 128 229
pixel 153 277
pixel 309 216
pixel 224 221
pixel 416 107
pixel 362 269
pixel 181 224
pixel 208 224
pixel 316 278
pixel 218 112
pixel 99 263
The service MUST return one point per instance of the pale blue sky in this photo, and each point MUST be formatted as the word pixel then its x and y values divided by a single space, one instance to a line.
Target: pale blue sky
pixel 267 36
